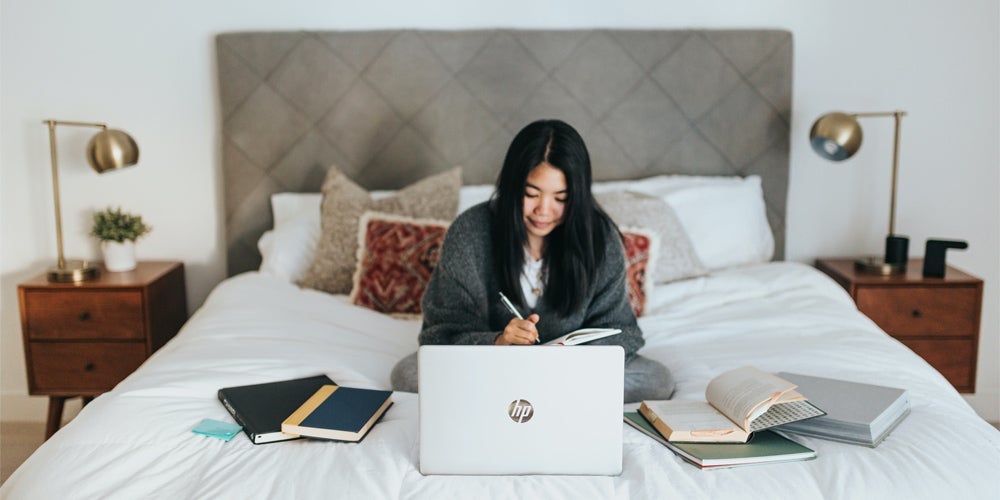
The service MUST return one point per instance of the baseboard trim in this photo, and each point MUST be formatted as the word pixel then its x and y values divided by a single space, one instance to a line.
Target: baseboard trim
pixel 25 408
pixel 986 403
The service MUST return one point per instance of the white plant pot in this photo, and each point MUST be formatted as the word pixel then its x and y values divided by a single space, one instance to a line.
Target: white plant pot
pixel 119 256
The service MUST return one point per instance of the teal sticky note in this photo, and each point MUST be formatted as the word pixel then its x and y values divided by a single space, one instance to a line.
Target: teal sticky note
pixel 217 429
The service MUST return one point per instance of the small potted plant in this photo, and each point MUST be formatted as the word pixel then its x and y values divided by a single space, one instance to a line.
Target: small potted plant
pixel 117 232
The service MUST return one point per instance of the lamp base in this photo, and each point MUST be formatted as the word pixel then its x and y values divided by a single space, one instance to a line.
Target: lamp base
pixel 873 264
pixel 74 271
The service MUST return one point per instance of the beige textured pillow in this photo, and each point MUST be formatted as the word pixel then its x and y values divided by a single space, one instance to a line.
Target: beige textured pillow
pixel 676 258
pixel 332 269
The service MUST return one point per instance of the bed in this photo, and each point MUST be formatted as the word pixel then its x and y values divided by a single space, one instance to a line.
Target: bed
pixel 685 117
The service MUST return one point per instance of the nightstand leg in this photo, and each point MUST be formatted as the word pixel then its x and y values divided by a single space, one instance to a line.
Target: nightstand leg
pixel 55 415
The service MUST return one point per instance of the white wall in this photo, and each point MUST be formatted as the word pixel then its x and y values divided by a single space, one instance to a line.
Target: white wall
pixel 147 67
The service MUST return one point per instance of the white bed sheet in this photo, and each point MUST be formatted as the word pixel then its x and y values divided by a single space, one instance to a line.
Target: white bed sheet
pixel 136 441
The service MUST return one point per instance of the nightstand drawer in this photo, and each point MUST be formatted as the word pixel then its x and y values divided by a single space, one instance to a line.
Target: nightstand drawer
pixel 83 366
pixel 915 311
pixel 952 357
pixel 83 314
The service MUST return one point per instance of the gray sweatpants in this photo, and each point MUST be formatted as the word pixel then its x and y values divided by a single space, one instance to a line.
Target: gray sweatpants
pixel 644 378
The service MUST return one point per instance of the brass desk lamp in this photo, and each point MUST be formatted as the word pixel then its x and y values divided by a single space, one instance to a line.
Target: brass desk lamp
pixel 107 150
pixel 836 137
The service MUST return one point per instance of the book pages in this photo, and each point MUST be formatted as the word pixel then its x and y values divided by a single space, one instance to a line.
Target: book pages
pixel 783 413
pixel 745 393
pixel 583 335
pixel 689 415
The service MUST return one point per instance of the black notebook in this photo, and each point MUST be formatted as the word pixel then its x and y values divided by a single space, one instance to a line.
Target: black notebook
pixel 260 408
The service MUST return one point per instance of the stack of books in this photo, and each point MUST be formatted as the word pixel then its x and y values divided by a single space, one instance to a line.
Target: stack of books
pixel 856 413
pixel 763 447
pixel 737 403
pixel 305 407
pixel 729 428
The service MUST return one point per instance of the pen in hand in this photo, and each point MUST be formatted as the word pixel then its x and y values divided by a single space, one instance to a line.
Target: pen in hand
pixel 513 310
pixel 510 306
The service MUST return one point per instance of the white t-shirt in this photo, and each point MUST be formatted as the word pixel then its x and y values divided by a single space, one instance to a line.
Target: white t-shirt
pixel 532 281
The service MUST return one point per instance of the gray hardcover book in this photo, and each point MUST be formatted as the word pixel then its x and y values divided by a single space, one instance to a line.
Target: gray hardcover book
pixel 855 412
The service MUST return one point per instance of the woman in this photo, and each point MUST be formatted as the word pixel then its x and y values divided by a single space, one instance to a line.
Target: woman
pixel 543 242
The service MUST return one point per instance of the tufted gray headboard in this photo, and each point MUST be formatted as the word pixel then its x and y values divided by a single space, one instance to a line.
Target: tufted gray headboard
pixel 390 107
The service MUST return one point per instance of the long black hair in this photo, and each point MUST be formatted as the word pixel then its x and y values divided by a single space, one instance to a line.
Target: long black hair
pixel 575 248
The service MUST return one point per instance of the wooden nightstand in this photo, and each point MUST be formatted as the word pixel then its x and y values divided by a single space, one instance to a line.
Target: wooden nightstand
pixel 938 318
pixel 81 339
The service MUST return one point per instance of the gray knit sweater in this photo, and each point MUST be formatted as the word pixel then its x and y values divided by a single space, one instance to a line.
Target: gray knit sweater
pixel 462 302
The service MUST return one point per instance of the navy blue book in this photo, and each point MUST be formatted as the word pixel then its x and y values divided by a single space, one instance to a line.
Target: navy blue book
pixel 260 408
pixel 338 413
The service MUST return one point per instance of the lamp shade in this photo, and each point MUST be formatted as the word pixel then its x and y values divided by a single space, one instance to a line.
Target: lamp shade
pixel 112 149
pixel 836 136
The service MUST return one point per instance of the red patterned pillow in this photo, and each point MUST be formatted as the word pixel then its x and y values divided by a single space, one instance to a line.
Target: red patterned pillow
pixel 396 256
pixel 640 254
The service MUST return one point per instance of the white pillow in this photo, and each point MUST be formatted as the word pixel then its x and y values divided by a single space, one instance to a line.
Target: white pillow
pixel 724 217
pixel 286 206
pixel 727 222
pixel 661 185
pixel 288 249
pixel 469 196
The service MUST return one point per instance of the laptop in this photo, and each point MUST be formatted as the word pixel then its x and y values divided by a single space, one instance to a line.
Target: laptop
pixel 488 410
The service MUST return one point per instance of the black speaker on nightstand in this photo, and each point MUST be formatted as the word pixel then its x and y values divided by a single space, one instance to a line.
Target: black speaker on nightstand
pixel 934 265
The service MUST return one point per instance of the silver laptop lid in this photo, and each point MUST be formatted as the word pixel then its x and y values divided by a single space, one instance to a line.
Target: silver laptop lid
pixel 521 410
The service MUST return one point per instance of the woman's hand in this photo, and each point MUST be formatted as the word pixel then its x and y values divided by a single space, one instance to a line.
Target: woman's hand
pixel 519 332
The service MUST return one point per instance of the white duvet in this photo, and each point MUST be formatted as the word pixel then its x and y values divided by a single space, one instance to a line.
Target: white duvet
pixel 136 441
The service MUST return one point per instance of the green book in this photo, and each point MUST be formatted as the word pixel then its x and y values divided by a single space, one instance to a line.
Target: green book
pixel 763 447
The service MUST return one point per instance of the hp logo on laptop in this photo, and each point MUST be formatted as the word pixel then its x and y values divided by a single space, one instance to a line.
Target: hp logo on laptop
pixel 520 411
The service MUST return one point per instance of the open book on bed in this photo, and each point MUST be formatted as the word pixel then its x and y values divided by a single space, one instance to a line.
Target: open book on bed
pixel 583 335
pixel 739 402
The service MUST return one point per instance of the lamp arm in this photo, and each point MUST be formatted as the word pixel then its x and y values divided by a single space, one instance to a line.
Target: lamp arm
pixel 61 263
pixel 895 170
pixel 53 123
pixel 871 114
pixel 897 116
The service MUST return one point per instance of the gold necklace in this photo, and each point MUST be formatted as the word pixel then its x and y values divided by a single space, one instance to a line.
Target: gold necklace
pixel 537 283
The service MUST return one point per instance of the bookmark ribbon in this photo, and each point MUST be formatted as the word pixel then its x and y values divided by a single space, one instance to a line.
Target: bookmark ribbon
pixel 720 432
